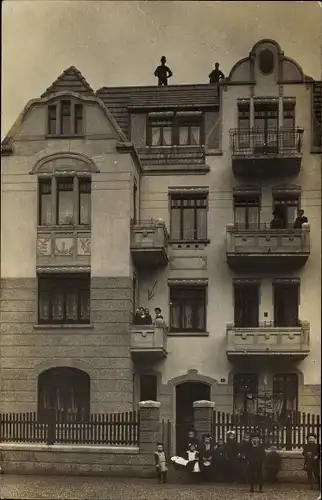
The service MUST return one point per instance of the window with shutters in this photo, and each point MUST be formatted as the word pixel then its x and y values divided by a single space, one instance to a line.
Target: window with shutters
pixel 65 118
pixel 246 304
pixel 63 299
pixel 286 295
pixel 188 218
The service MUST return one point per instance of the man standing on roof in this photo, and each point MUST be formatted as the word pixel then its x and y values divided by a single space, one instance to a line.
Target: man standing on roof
pixel 216 75
pixel 163 73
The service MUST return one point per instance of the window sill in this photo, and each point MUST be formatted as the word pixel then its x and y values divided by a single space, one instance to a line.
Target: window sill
pixel 214 152
pixel 80 326
pixel 67 136
pixel 188 242
pixel 188 334
pixel 63 227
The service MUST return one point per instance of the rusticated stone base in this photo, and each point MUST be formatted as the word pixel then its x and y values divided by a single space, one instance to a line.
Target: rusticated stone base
pixel 101 349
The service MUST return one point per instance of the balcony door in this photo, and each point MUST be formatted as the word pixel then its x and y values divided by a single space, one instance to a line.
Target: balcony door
pixel 266 127
pixel 286 304
pixel 246 305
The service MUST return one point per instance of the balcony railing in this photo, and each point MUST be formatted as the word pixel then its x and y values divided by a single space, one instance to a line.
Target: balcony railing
pixel 149 342
pixel 269 338
pixel 266 151
pixel 260 246
pixel 267 142
pixel 149 243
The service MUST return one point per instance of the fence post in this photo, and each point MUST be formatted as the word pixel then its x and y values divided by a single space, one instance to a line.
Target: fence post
pixel 51 427
pixel 149 426
pixel 203 417
pixel 289 427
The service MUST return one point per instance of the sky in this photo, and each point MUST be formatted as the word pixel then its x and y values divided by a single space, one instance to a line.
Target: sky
pixel 116 43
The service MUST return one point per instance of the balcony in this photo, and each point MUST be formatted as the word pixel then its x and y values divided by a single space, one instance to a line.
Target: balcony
pixel 149 343
pixel 268 340
pixel 264 249
pixel 259 152
pixel 63 246
pixel 149 243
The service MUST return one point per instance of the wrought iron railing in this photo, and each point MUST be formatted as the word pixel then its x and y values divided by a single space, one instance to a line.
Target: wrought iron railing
pixel 296 323
pixel 262 226
pixel 283 142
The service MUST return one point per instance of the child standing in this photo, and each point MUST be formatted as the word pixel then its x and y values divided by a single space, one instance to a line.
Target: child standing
pixel 161 463
pixel 311 452
pixel 193 466
pixel 206 455
pixel 256 458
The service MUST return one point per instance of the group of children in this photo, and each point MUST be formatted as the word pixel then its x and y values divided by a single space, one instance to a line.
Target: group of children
pixel 234 462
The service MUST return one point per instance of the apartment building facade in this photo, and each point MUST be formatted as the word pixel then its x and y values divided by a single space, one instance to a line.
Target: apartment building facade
pixel 163 197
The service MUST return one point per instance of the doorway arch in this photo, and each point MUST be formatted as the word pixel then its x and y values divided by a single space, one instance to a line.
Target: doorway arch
pixel 185 395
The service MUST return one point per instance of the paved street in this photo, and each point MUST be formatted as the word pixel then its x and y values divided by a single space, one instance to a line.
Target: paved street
pixel 77 488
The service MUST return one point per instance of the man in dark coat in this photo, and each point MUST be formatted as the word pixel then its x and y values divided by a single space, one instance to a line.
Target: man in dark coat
pixel 243 452
pixel 231 453
pixel 256 459
pixel 216 75
pixel 311 453
pixel 300 220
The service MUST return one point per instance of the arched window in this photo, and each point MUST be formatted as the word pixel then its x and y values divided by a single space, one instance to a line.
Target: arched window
pixel 66 391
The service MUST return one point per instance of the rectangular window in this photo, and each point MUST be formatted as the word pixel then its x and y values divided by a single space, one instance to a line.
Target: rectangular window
pixel 45 202
pixel 243 126
pixel 189 133
pixel 148 387
pixel 188 218
pixel 65 201
pixel 52 116
pixel 160 132
pixel 285 393
pixel 63 299
pixel 286 208
pixel 84 201
pixel 65 118
pixel 135 194
pixel 288 136
pixel 246 305
pixel 245 393
pixel 266 137
pixel 78 119
pixel 246 213
pixel 187 309
pixel 286 303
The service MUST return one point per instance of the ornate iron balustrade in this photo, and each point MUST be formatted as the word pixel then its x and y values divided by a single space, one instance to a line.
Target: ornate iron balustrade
pixel 280 142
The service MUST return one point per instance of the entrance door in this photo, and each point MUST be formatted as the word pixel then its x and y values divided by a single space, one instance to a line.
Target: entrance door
pixel 186 394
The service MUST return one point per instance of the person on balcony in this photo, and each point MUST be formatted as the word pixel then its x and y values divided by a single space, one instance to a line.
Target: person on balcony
pixel 158 315
pixel 163 73
pixel 142 316
pixel 277 221
pixel 216 75
pixel 147 317
pixel 300 220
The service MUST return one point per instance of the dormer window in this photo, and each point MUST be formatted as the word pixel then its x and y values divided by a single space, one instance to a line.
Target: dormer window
pixel 65 118
pixel 181 128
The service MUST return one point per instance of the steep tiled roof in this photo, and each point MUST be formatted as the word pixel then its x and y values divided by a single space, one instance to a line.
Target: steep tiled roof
pixel 119 99
pixel 317 100
pixel 72 80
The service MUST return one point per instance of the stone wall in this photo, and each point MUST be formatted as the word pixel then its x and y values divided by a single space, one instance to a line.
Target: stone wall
pixel 88 460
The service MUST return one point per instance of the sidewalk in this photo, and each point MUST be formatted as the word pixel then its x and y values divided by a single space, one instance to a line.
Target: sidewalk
pixel 100 488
